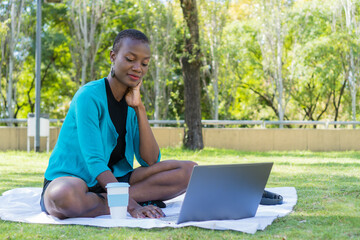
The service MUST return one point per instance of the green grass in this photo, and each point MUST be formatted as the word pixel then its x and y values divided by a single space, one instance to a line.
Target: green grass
pixel 328 187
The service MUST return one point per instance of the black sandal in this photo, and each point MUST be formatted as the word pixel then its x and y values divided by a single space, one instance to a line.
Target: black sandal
pixel 156 203
pixel 270 198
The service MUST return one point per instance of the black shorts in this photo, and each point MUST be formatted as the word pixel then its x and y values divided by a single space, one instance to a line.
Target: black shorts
pixel 95 189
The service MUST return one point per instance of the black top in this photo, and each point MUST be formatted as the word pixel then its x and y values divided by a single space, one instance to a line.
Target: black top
pixel 118 114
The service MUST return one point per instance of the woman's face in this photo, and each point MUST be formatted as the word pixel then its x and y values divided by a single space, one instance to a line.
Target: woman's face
pixel 131 62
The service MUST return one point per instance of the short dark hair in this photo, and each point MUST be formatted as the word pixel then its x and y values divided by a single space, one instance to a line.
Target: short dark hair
pixel 128 33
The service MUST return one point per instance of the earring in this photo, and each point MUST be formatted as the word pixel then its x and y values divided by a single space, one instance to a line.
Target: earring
pixel 112 72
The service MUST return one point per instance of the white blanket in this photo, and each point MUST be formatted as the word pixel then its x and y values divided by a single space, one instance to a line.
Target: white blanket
pixel 22 205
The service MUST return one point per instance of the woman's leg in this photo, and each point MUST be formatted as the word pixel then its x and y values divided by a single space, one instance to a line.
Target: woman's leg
pixel 70 197
pixel 161 181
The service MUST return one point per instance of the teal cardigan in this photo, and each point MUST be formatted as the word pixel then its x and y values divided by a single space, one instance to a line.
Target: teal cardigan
pixel 88 137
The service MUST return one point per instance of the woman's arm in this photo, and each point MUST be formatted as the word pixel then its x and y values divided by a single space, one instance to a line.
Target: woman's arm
pixel 149 149
pixel 133 208
pixel 106 177
pixel 89 135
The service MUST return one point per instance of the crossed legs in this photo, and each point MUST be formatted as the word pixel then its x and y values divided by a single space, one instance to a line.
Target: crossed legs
pixel 70 197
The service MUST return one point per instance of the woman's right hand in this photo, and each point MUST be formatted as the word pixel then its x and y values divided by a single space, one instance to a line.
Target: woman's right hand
pixel 149 211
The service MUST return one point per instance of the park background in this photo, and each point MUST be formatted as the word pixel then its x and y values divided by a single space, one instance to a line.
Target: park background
pixel 260 60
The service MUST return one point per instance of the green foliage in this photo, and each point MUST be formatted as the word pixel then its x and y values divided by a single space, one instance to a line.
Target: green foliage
pixel 163 84
pixel 315 58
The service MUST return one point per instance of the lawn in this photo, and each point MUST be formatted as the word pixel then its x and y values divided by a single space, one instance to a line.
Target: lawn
pixel 328 187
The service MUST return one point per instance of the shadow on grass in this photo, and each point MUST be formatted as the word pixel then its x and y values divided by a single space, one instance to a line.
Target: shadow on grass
pixel 18 183
pixel 19 180
pixel 318 185
pixel 307 154
pixel 26 174
pixel 289 227
pixel 173 152
pixel 325 164
pixel 5 165
pixel 315 227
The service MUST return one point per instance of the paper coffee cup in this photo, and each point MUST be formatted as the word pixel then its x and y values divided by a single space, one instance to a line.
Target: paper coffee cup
pixel 118 199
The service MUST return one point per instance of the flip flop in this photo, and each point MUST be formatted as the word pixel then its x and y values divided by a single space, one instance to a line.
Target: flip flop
pixel 270 198
pixel 156 203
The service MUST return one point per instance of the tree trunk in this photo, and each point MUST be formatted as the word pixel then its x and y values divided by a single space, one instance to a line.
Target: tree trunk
pixel 84 29
pixel 2 50
pixel 157 88
pixel 216 90
pixel 337 102
pixel 215 76
pixel 193 135
pixel 1 63
pixel 9 96
pixel 349 9
pixel 279 79
pixel 83 67
pixel 352 83
pixel 191 73
pixel 94 51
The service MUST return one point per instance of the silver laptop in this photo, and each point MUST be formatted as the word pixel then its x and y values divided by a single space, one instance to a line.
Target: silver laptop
pixel 223 192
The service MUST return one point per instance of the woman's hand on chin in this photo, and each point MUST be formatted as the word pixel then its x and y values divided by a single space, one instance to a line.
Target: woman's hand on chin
pixel 133 97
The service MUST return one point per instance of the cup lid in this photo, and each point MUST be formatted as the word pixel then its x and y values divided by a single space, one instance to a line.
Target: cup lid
pixel 117 184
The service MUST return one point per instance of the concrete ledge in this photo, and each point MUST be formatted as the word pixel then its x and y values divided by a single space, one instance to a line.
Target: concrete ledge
pixel 283 139
pixel 15 138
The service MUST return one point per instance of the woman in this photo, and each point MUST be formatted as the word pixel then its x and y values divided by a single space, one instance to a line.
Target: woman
pixel 105 127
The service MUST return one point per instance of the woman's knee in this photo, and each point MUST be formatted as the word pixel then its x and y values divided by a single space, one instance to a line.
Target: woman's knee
pixel 173 164
pixel 189 166
pixel 186 168
pixel 63 199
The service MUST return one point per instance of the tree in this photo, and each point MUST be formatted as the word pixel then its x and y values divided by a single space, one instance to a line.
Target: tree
pixel 213 15
pixel 353 30
pixel 15 23
pixel 4 18
pixel 14 49
pixel 191 64
pixel 247 52
pixel 315 65
pixel 272 42
pixel 87 32
pixel 57 89
pixel 159 25
pixel 257 58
